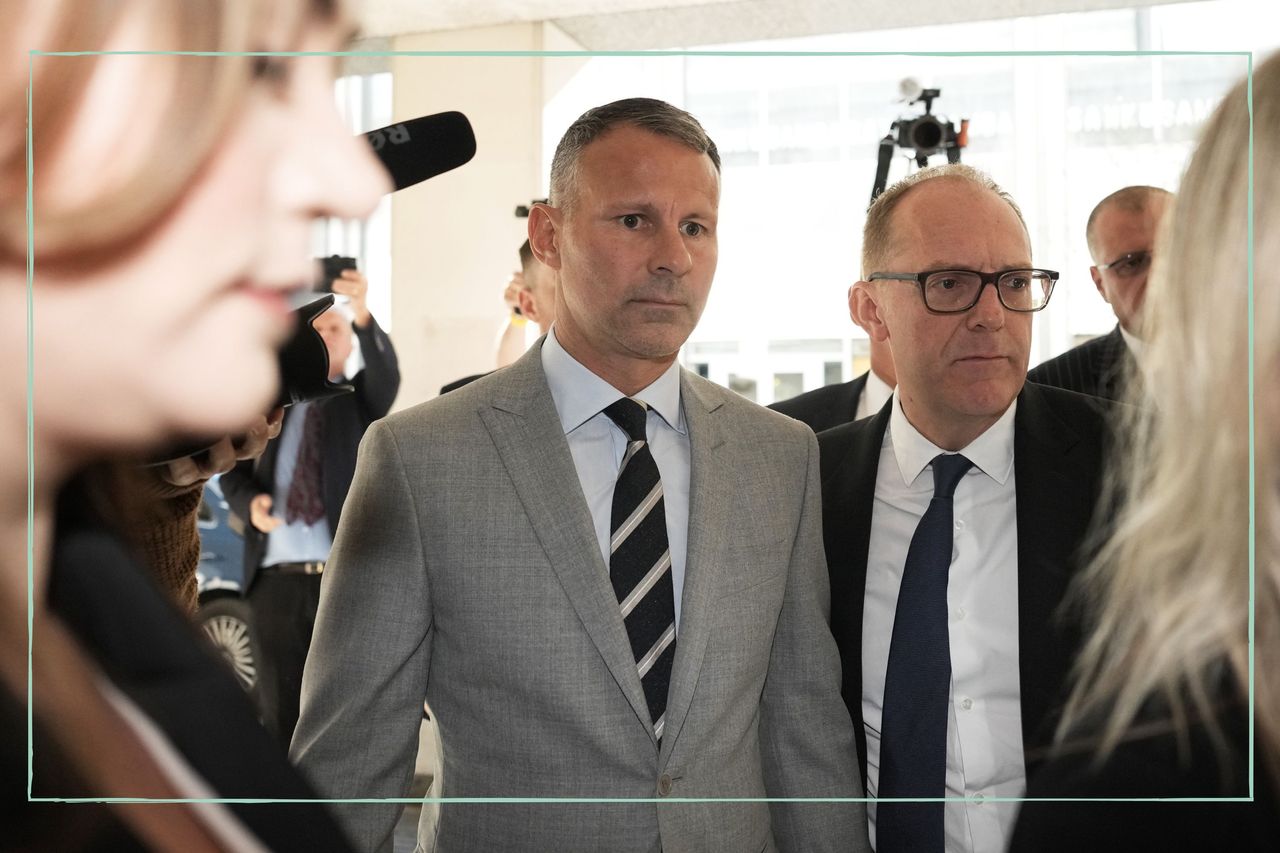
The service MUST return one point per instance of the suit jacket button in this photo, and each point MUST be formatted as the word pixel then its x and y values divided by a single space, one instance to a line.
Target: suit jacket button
pixel 664 785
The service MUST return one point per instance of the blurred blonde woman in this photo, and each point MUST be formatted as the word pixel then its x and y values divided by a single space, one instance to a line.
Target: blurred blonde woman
pixel 172 198
pixel 1161 706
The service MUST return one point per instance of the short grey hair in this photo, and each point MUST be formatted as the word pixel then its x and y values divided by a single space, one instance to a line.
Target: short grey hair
pixel 877 231
pixel 648 114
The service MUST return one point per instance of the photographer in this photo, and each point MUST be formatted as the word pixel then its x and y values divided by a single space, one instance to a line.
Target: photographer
pixel 291 498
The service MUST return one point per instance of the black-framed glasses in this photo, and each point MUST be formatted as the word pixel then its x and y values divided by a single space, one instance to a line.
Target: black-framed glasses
pixel 956 291
pixel 1129 264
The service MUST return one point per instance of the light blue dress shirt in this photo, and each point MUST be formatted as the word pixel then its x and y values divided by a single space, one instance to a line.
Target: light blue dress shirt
pixel 297 542
pixel 598 445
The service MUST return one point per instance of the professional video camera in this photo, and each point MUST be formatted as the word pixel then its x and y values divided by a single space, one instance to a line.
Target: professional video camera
pixel 925 134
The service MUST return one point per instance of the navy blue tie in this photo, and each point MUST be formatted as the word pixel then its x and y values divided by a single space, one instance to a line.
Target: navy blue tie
pixel 913 726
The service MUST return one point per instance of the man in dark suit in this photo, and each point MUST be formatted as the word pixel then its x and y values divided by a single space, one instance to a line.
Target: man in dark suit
pixel 1121 232
pixel 832 405
pixel 945 583
pixel 291 499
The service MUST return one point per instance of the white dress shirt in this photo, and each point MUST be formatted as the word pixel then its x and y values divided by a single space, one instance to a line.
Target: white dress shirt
pixel 597 445
pixel 1132 341
pixel 984 722
pixel 875 393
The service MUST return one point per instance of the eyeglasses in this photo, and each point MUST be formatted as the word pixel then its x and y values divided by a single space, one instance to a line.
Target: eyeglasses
pixel 956 291
pixel 1129 265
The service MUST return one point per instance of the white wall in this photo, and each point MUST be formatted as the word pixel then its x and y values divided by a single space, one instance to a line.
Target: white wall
pixel 454 238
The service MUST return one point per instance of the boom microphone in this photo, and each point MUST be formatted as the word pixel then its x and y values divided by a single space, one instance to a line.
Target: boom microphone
pixel 422 148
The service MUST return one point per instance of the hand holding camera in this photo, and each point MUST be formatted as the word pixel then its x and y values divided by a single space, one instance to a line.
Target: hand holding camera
pixel 352 284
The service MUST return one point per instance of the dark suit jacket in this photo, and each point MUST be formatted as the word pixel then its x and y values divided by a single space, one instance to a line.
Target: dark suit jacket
pixel 152 653
pixel 1155 760
pixel 346 419
pixel 826 407
pixel 1058 447
pixel 1095 367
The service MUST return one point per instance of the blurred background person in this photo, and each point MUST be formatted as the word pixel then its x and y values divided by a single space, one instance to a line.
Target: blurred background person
pixel 1121 233
pixel 513 339
pixel 531 295
pixel 538 296
pixel 1161 704
pixel 157 303
pixel 291 498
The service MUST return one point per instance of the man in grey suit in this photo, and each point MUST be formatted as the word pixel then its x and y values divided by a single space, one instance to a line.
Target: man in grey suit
pixel 599 597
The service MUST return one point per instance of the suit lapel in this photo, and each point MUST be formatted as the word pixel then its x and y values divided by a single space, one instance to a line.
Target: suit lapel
pixel 856 389
pixel 850 459
pixel 1112 366
pixel 526 430
pixel 1054 503
pixel 709 523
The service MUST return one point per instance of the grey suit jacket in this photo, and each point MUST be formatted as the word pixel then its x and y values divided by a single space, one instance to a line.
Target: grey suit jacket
pixel 466 570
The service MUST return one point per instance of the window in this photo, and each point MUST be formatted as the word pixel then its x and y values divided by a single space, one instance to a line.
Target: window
pixel 799 136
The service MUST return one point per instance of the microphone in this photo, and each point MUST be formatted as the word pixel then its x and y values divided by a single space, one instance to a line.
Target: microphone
pixel 411 151
pixel 422 148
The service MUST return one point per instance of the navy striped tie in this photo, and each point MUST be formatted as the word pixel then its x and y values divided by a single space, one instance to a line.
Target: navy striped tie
pixel 640 560
pixel 917 686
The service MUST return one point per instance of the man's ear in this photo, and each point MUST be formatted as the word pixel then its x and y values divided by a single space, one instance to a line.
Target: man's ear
pixel 544 234
pixel 1097 282
pixel 865 311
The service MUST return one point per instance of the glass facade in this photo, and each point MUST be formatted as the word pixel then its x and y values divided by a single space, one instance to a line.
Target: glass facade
pixel 799 137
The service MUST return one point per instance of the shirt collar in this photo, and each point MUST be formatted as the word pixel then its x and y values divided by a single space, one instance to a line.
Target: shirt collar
pixel 991 452
pixel 877 392
pixel 579 395
pixel 1132 341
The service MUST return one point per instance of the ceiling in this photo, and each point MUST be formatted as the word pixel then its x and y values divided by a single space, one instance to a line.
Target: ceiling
pixel 601 25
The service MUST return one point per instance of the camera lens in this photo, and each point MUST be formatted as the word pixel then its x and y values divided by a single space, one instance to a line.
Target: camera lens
pixel 926 133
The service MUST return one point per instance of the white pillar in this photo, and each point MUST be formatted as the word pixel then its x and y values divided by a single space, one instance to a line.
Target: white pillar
pixel 455 237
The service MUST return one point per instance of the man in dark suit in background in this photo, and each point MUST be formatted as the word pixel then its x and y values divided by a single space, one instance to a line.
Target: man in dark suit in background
pixel 291 499
pixel 860 397
pixel 1121 232
pixel 945 583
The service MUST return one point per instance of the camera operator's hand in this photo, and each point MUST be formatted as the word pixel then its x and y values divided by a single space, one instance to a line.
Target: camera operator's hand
pixel 222 457
pixel 260 514
pixel 355 286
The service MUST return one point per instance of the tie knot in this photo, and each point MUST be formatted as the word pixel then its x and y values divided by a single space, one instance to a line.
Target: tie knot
pixel 948 468
pixel 630 415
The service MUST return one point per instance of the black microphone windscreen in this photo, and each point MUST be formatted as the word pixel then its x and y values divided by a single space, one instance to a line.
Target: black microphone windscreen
pixel 422 148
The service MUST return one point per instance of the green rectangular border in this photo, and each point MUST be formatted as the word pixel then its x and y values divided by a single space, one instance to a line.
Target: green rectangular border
pixel 31 55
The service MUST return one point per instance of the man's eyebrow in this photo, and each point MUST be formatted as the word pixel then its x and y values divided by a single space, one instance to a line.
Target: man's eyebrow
pixel 647 207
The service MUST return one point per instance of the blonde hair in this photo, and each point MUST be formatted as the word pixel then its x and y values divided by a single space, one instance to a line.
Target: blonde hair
pixel 877 230
pixel 1168 592
pixel 205 94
